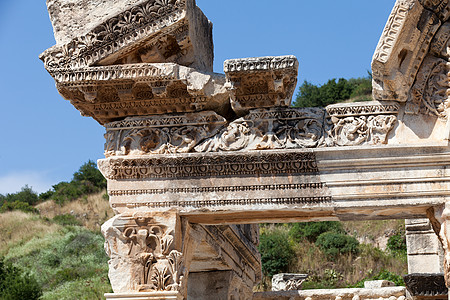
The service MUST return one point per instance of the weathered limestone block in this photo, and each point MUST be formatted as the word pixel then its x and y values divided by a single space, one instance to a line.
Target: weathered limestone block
pixel 425 254
pixel 288 282
pixel 261 82
pixel 403 46
pixel 356 124
pixel 387 293
pixel 160 134
pixel 376 284
pixel 115 92
pixel 149 252
pixel 218 285
pixel 93 32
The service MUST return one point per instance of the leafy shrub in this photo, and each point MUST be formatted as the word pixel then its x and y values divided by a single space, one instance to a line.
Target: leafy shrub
pixel 87 180
pixel 66 220
pixel 397 243
pixel 276 252
pixel 15 284
pixel 26 195
pixel 334 244
pixel 382 275
pixel 18 205
pixel 312 230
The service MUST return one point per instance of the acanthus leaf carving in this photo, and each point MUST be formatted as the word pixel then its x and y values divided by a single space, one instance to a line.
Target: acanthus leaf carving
pixel 145 244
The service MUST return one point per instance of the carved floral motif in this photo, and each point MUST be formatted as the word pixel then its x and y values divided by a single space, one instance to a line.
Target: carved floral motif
pixel 430 94
pixel 147 247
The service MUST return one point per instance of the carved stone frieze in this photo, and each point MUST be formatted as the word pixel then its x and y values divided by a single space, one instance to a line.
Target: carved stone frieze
pixel 192 166
pixel 115 92
pixel 160 135
pixel 145 251
pixel 430 94
pixel 357 124
pixel 153 31
pixel 264 129
pixel 402 48
pixel 261 81
pixel 426 285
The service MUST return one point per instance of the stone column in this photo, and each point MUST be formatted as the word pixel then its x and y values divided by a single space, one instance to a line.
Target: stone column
pixel 425 253
pixel 440 220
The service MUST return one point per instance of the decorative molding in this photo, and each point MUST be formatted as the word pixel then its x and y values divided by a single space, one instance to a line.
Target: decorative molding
pixel 255 64
pixel 115 92
pixel 160 135
pixel 201 204
pixel 217 189
pixel 198 166
pixel 288 282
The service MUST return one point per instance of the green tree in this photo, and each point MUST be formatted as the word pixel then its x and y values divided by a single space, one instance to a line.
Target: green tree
pixel 26 195
pixel 333 244
pixel 312 230
pixel 15 284
pixel 276 252
pixel 88 172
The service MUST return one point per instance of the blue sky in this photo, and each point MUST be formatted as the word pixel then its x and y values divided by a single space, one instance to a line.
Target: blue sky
pixel 44 140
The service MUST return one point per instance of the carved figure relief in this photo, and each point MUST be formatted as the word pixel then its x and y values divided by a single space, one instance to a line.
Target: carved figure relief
pixel 269 129
pixel 160 135
pixel 353 125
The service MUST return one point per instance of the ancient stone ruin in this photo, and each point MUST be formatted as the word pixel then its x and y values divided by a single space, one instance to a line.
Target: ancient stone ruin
pixel 193 157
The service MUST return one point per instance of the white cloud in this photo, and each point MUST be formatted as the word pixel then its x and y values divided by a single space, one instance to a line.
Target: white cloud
pixel 13 182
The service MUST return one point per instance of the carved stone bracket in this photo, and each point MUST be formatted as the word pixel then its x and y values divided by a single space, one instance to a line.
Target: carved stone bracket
pixel 160 135
pixel 147 253
pixel 261 81
pixel 151 31
pixel 115 92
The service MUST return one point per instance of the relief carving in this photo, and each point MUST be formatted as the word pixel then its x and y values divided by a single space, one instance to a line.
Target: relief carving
pixel 261 82
pixel 356 124
pixel 160 25
pixel 269 129
pixel 144 254
pixel 430 94
pixel 160 135
pixel 115 92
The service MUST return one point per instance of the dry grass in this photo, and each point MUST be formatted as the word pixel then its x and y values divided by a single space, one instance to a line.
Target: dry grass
pixel 91 211
pixel 17 227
